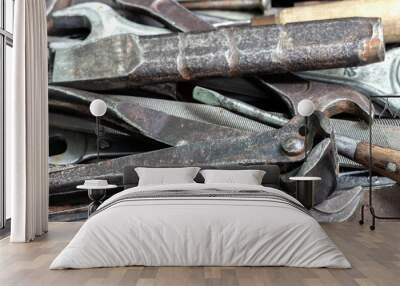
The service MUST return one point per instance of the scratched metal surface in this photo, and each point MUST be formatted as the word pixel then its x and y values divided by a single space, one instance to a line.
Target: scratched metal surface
pixel 199 112
pixel 385 132
pixel 232 51
pixel 377 79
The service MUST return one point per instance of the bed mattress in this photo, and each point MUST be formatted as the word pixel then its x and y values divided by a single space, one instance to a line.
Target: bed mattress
pixel 201 225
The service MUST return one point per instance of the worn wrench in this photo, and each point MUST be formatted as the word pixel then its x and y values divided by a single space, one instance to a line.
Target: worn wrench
pixel 376 79
pixel 104 22
pixel 331 99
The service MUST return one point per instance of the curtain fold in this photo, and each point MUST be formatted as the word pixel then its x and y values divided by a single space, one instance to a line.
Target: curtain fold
pixel 27 123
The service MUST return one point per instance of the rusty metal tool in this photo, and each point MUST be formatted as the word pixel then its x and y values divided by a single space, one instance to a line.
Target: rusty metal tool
pixel 178 138
pixel 195 111
pixel 378 79
pixel 321 161
pixel 260 5
pixel 331 99
pixel 103 22
pixel 264 148
pixel 134 118
pixel 223 52
pixel 81 147
pixel 386 161
pixel 158 113
pixel 385 132
pixel 72 140
pixel 210 97
pixel 284 146
pixel 385 135
pixel 340 206
pixel 65 25
pixel 387 10
pixel 169 12
pixel 350 181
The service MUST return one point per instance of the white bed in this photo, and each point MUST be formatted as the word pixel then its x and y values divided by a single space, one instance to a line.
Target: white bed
pixel 185 230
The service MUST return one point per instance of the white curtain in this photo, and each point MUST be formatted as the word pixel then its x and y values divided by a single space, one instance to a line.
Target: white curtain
pixel 27 124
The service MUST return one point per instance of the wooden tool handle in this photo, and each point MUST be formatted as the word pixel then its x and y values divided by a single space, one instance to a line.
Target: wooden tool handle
pixel 385 161
pixel 388 10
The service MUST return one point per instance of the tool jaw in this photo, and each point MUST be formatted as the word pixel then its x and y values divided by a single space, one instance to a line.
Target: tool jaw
pixel 104 21
pixel 322 162
pixel 376 79
pixel 331 99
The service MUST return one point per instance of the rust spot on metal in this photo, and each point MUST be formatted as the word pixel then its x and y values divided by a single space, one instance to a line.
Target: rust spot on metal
pixel 372 49
pixel 248 52
pixel 181 65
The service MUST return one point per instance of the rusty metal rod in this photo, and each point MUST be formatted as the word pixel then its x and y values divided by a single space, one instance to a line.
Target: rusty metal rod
pixel 225 52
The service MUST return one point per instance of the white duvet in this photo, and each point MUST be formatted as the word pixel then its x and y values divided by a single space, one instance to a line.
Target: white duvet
pixel 200 231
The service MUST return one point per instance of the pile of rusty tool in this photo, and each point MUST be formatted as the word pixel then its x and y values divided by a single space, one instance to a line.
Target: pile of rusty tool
pixel 179 75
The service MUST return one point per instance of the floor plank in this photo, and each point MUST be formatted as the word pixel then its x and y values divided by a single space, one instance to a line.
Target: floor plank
pixel 375 257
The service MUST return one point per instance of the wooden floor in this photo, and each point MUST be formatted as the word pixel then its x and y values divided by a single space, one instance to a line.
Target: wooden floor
pixel 375 257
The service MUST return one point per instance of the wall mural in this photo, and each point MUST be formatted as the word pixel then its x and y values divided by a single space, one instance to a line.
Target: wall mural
pixel 219 94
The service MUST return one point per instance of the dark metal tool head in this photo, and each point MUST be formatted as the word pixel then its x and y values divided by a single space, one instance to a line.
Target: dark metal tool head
pixel 377 79
pixel 103 22
pixel 331 99
pixel 169 12
pixel 322 158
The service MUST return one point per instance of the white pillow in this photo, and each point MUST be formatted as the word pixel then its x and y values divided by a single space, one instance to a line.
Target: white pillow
pixel 247 177
pixel 165 176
